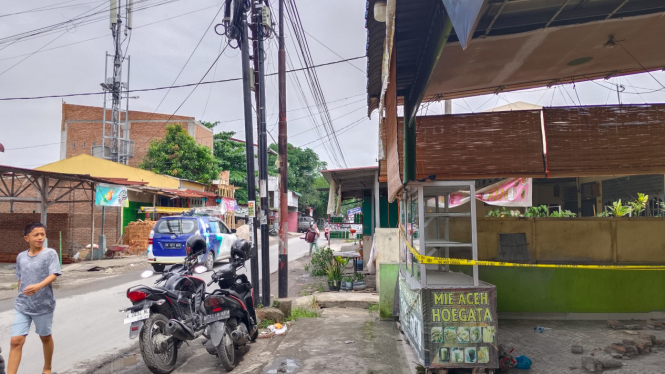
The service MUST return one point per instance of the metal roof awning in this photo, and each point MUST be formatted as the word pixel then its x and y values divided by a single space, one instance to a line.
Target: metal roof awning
pixel 354 181
pixel 164 210
pixel 190 193
pixel 516 45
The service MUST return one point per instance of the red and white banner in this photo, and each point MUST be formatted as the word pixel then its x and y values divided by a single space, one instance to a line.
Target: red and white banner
pixel 514 192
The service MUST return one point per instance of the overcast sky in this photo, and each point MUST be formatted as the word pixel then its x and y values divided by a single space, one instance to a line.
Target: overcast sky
pixel 30 130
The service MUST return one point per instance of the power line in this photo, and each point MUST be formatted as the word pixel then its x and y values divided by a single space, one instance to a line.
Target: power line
pixel 174 86
pixel 336 54
pixel 188 59
pixel 105 35
pixel 204 137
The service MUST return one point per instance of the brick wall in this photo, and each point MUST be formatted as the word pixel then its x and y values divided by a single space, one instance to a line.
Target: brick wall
pixel 11 232
pixel 76 231
pixel 84 129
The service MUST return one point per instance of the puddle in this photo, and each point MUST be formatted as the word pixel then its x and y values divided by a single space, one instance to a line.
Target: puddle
pixel 283 365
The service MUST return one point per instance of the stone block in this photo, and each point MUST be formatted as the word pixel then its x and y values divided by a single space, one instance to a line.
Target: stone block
pixel 272 314
pixel 628 342
pixel 615 324
pixel 648 337
pixel 619 347
pixel 285 305
pixel 610 364
pixel 592 365
pixel 577 349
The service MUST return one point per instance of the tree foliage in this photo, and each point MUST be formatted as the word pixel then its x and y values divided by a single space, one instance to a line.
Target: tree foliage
pixel 178 155
pixel 304 176
pixel 210 125
pixel 230 156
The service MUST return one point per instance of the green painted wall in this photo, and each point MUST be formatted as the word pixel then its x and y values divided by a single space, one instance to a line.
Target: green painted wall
pixel 367 213
pixel 387 282
pixel 130 214
pixel 550 290
pixel 389 213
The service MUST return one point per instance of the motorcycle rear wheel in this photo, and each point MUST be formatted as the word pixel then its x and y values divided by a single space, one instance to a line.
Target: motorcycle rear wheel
pixel 226 350
pixel 162 362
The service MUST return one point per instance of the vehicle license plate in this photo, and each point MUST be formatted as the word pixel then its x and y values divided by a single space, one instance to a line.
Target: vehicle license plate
pixel 136 316
pixel 225 314
pixel 172 245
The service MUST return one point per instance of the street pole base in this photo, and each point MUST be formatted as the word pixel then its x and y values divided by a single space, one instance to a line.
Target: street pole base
pixel 283 276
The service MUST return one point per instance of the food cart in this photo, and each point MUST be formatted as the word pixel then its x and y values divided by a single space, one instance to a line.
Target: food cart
pixel 449 317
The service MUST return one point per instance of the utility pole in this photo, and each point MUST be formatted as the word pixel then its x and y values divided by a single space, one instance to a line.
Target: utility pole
pixel 116 145
pixel 283 275
pixel 249 146
pixel 259 56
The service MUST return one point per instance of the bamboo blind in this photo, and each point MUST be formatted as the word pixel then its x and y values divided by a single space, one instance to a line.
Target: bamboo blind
pixel 475 146
pixel 605 140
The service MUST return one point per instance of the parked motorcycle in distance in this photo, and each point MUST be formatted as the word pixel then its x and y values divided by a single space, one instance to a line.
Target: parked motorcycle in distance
pixel 165 316
pixel 230 314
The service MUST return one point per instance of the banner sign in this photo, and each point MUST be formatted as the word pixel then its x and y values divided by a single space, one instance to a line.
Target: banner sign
pixel 462 327
pixel 230 204
pixel 110 195
pixel 251 208
pixel 351 212
pixel 515 192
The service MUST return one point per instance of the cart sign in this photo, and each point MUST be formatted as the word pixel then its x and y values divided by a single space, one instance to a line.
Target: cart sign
pixel 462 327
pixel 110 195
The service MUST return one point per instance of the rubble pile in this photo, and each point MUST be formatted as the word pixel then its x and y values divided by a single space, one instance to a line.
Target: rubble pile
pixel 136 236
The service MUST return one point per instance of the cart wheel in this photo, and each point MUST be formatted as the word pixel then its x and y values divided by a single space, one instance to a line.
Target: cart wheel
pixel 109 254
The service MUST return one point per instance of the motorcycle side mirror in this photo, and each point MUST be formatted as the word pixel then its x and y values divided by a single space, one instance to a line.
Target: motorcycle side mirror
pixel 200 269
pixel 147 274
pixel 233 231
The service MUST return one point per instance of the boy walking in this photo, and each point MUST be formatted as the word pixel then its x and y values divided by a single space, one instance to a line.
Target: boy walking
pixel 36 269
pixel 313 236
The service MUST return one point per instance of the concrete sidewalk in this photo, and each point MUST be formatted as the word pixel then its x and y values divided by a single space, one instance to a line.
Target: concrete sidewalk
pixel 340 341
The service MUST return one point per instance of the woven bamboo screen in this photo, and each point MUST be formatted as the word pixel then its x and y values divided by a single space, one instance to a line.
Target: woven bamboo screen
pixel 605 140
pixel 481 145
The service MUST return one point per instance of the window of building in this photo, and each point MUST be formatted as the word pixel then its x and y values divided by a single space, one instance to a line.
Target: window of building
pixel 83 144
pixel 73 144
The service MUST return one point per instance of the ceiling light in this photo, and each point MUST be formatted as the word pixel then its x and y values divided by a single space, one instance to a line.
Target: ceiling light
pixel 611 43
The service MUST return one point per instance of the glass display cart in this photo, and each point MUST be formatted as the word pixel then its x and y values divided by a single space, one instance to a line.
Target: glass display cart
pixel 448 315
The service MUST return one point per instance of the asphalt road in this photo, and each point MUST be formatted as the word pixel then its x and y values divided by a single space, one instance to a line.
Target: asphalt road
pixel 88 325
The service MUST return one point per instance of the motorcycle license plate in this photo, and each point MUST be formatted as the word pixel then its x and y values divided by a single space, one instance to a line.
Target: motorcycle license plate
pixel 172 246
pixel 136 316
pixel 225 314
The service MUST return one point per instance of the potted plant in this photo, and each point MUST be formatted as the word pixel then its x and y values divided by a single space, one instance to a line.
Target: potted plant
pixel 347 283
pixel 359 282
pixel 334 275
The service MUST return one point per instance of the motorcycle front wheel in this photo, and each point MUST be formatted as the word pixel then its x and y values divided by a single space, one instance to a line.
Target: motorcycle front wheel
pixel 226 350
pixel 159 351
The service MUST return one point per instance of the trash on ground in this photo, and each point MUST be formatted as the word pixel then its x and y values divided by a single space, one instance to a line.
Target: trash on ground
pixel 523 362
pixel 277 329
pixel 349 342
pixel 96 268
pixel 541 329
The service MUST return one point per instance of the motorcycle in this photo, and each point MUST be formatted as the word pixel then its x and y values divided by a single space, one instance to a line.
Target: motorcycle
pixel 163 317
pixel 230 315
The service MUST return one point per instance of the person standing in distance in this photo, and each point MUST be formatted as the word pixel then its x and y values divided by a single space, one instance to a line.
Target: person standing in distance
pixel 36 269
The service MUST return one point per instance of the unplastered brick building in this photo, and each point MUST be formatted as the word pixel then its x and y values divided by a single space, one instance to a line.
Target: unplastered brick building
pixel 81 129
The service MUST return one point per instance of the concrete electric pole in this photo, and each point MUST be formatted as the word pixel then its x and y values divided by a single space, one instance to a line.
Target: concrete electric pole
pixel 261 17
pixel 283 275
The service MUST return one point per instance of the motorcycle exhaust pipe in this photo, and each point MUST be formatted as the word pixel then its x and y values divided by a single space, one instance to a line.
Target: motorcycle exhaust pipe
pixel 177 329
pixel 239 337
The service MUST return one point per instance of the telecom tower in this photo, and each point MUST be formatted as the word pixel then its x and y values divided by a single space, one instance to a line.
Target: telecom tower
pixel 116 145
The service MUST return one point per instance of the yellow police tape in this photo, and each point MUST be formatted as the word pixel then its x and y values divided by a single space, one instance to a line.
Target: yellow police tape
pixel 455 261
